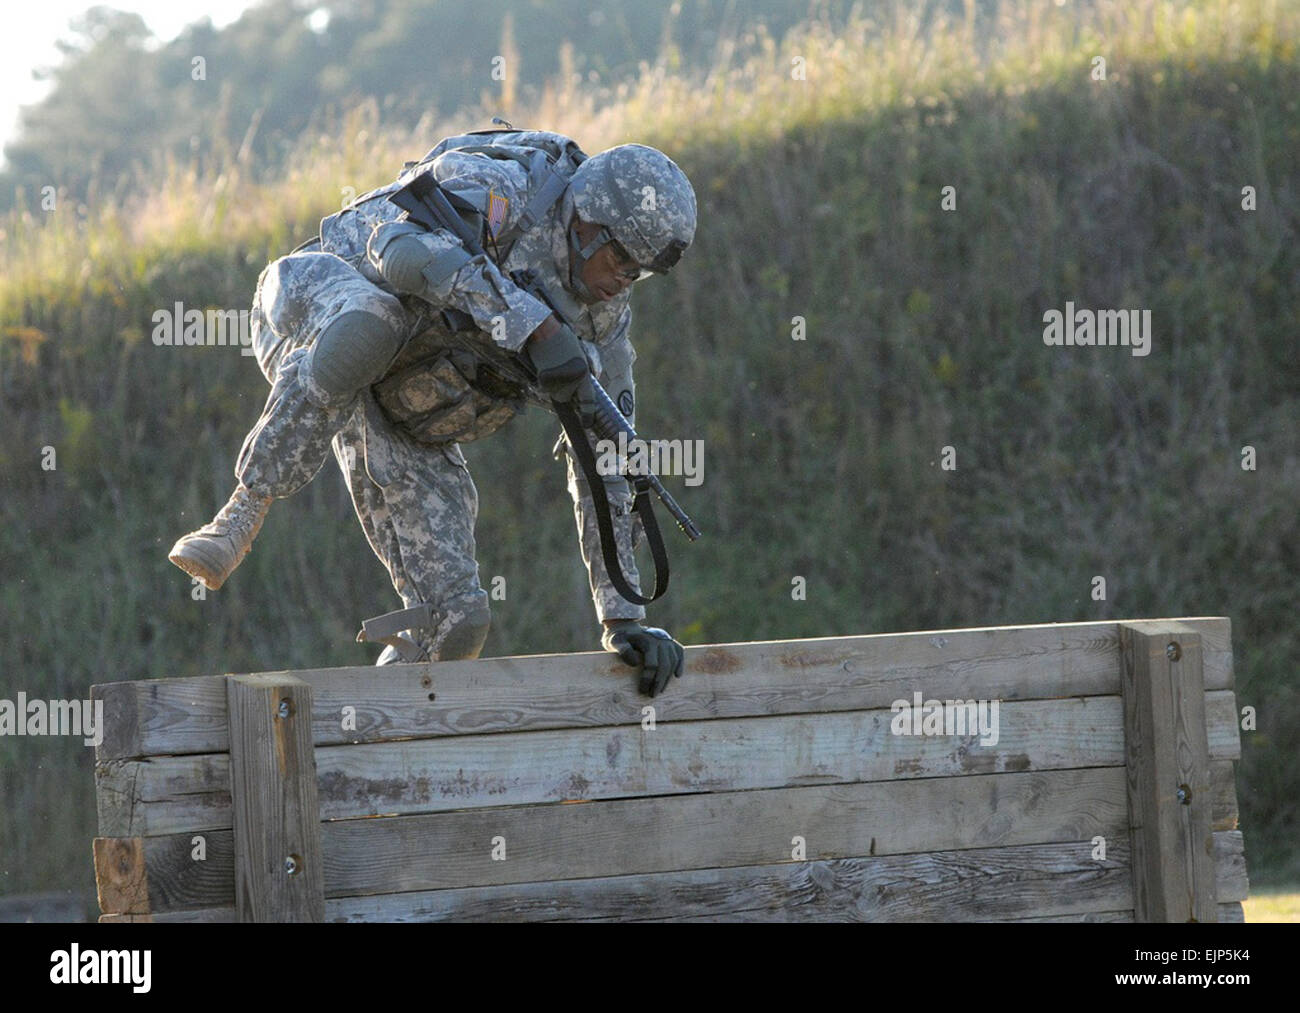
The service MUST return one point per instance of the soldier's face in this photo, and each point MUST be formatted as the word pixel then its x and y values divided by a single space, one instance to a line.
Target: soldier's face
pixel 609 271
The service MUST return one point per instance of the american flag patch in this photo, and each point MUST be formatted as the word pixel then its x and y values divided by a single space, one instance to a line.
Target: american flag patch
pixel 496 213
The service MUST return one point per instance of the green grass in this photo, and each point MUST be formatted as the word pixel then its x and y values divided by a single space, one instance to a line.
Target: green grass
pixel 1273 906
pixel 819 199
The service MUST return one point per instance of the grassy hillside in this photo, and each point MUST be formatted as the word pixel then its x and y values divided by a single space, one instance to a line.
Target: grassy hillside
pixel 820 199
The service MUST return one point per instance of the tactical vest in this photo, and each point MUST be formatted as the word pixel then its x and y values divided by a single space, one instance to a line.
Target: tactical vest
pixel 451 383
pixel 448 386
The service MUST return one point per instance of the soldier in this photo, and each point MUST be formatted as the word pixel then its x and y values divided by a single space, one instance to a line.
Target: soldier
pixel 356 333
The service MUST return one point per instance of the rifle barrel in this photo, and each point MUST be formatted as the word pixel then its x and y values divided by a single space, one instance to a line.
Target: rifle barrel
pixel 607 424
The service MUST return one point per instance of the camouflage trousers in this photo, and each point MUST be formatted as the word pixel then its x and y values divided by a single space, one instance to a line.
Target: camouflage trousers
pixel 416 503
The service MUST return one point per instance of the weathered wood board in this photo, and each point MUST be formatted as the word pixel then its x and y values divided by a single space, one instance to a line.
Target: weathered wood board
pixel 772 786
pixel 176 716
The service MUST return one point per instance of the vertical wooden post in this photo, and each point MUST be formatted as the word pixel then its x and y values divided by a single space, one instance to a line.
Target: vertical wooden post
pixel 1167 755
pixel 278 873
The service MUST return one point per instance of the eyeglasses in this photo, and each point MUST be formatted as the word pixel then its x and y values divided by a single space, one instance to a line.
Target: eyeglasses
pixel 626 267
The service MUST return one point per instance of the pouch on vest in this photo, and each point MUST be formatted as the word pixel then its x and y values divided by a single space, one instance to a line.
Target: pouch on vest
pixel 441 393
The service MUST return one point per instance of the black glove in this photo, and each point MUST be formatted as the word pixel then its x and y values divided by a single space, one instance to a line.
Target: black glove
pixel 560 363
pixel 648 648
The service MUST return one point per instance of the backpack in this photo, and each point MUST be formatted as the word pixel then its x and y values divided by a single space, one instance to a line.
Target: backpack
pixel 549 158
pixel 439 390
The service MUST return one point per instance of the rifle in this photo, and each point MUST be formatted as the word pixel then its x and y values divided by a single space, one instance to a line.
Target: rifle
pixel 425 203
pixel 607 423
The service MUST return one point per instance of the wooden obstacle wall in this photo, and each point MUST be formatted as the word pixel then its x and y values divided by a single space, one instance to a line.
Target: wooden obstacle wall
pixel 531 788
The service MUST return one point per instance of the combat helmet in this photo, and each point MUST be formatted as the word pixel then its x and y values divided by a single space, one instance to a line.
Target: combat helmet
pixel 642 199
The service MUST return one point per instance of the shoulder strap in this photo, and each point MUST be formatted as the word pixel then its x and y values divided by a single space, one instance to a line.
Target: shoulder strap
pixel 544 195
pixel 545 185
pixel 547 179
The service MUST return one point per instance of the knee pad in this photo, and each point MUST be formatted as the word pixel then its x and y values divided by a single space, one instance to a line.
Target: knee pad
pixel 464 631
pixel 350 353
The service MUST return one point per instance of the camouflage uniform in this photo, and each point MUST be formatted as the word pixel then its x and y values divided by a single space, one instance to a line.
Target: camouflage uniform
pixel 416 501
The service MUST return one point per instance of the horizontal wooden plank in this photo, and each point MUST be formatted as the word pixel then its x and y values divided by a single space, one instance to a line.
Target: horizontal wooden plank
pixel 122 874
pixel 1059 882
pixel 138 798
pixel 179 871
pixel 1227 913
pixel 723 755
pixel 47 907
pixel 1223 790
pixel 165 795
pixel 969 886
pixel 1090 916
pixel 956 886
pixel 192 871
pixel 675 833
pixel 1230 881
pixel 182 716
pixel 343 909
pixel 1222 724
pixel 975 885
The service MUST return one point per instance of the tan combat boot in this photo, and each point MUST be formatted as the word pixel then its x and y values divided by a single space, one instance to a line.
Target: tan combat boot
pixel 212 553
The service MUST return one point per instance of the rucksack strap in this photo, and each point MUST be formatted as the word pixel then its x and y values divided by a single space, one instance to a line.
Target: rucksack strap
pixel 546 184
pixel 550 190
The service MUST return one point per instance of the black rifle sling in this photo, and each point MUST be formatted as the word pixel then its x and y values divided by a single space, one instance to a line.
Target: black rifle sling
pixel 642 505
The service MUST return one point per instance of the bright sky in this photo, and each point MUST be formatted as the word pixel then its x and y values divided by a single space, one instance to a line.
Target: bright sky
pixel 30 30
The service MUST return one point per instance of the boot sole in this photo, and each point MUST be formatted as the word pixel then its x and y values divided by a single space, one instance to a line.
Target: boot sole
pixel 192 560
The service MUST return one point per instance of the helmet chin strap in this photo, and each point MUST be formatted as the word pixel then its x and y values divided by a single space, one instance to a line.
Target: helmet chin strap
pixel 578 257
